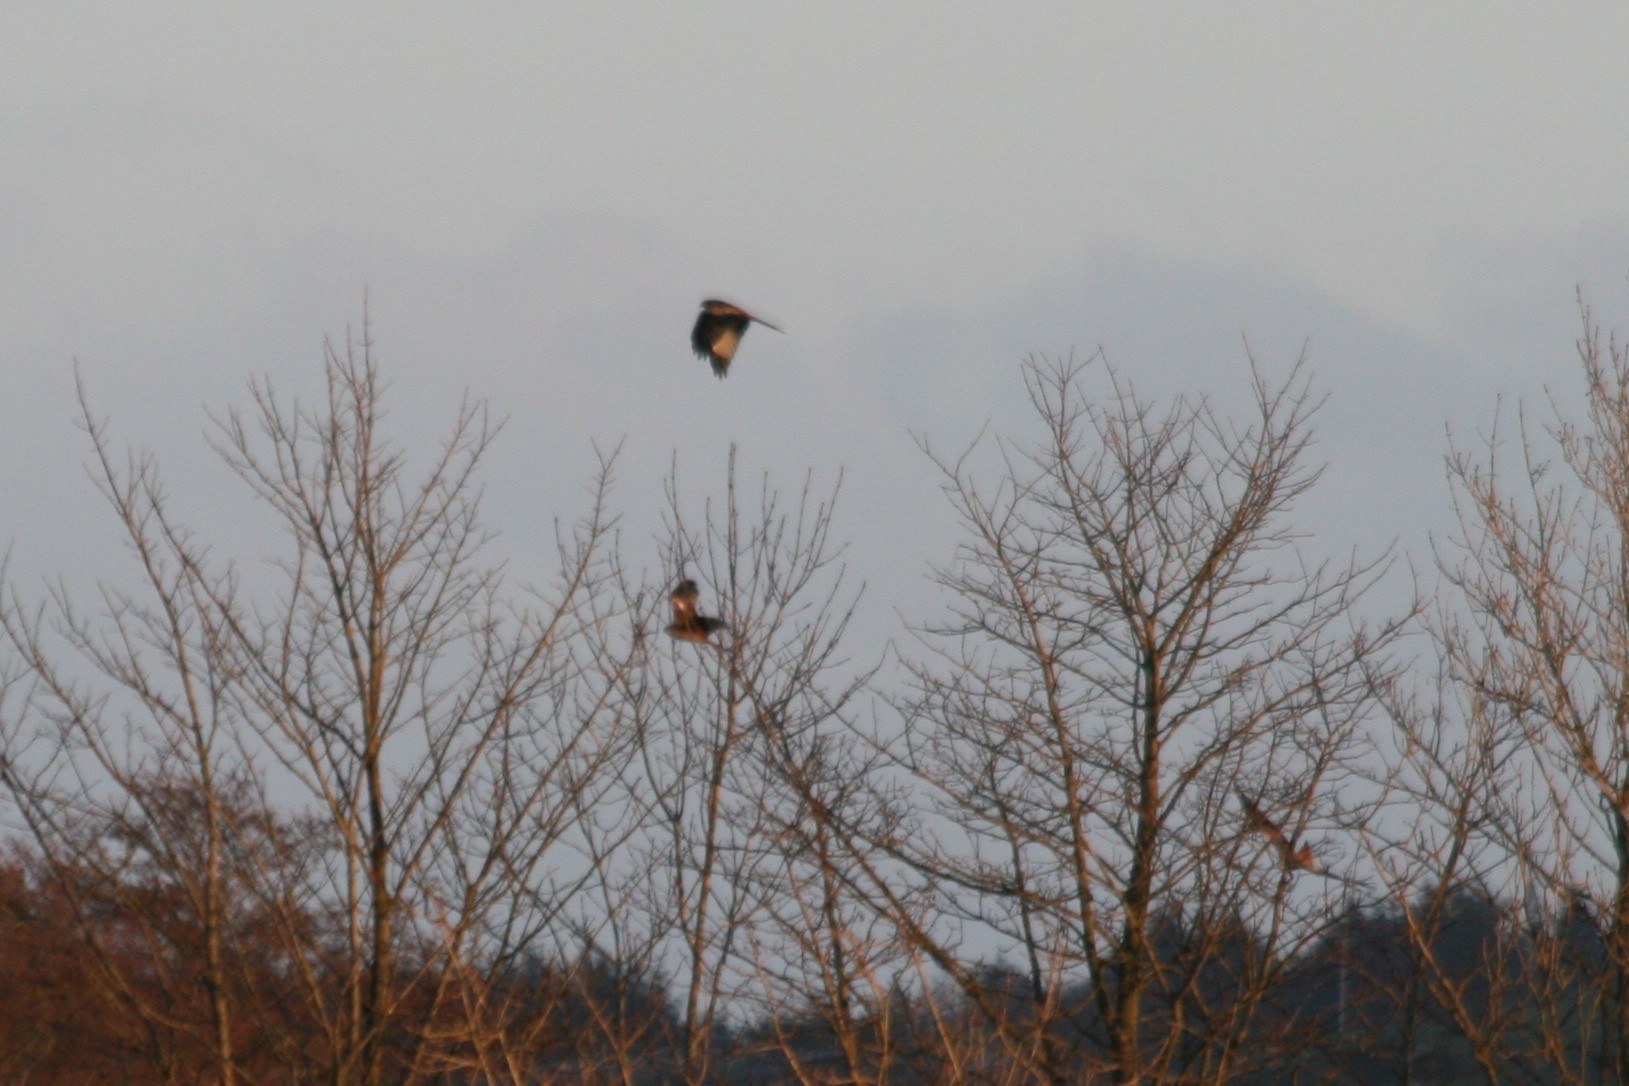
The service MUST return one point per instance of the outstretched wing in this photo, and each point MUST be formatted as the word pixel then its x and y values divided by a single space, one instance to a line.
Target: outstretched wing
pixel 726 311
pixel 698 629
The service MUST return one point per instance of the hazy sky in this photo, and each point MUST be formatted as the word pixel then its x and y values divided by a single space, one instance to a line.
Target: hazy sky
pixel 537 195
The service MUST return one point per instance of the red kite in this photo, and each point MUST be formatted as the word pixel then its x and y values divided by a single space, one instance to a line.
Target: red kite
pixel 1291 856
pixel 687 625
pixel 718 332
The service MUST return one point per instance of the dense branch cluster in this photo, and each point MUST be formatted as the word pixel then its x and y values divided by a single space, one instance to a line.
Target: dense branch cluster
pixel 1160 797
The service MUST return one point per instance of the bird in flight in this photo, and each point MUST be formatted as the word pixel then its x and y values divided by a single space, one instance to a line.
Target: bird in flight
pixel 718 332
pixel 687 625
pixel 1288 854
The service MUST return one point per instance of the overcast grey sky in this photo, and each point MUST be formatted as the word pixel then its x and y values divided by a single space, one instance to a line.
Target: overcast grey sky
pixel 537 195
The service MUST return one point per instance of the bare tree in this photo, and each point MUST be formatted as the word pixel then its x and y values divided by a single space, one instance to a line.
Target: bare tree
pixel 725 716
pixel 441 742
pixel 1137 640
pixel 94 771
pixel 1529 747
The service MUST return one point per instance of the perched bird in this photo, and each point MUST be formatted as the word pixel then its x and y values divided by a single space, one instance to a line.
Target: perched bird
pixel 718 332
pixel 687 625
pixel 1288 854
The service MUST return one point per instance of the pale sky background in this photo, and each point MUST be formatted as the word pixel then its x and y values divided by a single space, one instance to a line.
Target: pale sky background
pixel 537 195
